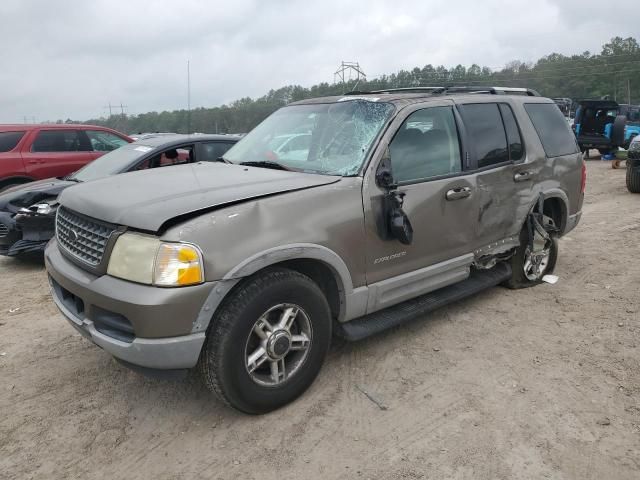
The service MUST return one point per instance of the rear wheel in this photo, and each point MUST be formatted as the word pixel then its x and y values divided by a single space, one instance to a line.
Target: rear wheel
pixel 268 341
pixel 633 178
pixel 532 262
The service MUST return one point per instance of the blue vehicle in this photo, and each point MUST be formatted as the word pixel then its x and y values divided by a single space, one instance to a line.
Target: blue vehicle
pixel 632 130
pixel 604 125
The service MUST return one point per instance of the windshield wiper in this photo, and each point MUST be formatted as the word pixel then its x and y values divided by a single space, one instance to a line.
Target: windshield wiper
pixel 266 164
pixel 222 160
pixel 69 178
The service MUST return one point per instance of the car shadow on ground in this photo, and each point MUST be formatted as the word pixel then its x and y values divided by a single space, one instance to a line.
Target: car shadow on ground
pixel 189 393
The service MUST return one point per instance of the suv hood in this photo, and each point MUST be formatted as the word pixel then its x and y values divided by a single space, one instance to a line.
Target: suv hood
pixel 147 199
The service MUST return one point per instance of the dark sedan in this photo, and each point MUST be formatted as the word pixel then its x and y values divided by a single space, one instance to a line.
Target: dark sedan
pixel 27 212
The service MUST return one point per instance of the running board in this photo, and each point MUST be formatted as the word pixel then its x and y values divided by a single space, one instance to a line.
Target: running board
pixel 404 312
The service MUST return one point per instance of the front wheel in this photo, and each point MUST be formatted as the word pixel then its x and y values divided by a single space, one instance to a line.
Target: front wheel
pixel 633 177
pixel 268 342
pixel 530 263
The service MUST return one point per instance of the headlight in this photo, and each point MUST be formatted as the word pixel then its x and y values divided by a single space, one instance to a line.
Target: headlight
pixel 145 259
pixel 42 208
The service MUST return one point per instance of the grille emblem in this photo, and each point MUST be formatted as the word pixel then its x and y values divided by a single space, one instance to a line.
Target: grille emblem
pixel 73 236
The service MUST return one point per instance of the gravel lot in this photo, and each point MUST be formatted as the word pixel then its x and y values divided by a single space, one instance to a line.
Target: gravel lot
pixel 537 383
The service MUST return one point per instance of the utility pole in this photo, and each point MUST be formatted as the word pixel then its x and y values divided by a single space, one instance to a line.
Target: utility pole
pixel 188 98
pixel 352 68
pixel 122 107
pixel 110 109
pixel 629 91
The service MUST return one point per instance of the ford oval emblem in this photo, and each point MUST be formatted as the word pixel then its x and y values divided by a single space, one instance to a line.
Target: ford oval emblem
pixel 73 236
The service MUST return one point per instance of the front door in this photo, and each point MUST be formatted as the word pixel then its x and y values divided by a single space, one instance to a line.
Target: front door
pixel 440 201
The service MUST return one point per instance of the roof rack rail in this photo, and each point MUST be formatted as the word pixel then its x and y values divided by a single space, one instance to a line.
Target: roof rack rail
pixel 457 89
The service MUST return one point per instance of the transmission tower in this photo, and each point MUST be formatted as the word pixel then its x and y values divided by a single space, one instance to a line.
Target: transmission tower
pixel 347 72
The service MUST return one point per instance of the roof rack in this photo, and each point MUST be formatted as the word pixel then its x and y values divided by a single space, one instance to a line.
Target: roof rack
pixel 457 89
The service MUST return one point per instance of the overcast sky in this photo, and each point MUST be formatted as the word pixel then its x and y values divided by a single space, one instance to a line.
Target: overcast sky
pixel 69 59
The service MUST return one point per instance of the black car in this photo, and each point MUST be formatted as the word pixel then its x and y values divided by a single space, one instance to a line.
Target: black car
pixel 27 212
pixel 598 124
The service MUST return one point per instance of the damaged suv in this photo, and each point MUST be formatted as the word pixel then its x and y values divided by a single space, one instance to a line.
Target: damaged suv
pixel 395 203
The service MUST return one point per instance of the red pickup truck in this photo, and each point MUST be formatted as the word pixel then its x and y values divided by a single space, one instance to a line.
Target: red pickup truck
pixel 35 152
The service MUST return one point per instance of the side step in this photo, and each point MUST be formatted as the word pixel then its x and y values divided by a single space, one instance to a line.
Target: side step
pixel 377 322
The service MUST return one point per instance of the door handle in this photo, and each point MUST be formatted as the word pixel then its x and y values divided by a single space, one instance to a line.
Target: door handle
pixel 521 176
pixel 458 193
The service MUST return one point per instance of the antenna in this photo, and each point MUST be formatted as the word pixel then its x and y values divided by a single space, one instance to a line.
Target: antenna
pixel 353 68
pixel 188 98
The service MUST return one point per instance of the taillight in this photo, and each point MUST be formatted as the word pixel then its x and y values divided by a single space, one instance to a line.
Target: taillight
pixel 583 183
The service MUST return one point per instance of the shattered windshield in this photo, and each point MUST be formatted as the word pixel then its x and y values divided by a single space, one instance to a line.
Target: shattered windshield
pixel 331 139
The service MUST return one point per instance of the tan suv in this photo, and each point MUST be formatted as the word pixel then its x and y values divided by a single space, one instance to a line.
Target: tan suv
pixel 344 215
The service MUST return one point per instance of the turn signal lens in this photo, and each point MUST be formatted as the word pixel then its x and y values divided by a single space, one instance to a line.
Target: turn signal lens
pixel 178 265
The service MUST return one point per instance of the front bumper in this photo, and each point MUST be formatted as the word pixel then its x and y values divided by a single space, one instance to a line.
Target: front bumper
pixel 15 239
pixel 140 324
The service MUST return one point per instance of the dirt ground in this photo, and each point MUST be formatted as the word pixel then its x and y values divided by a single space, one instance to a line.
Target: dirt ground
pixel 530 384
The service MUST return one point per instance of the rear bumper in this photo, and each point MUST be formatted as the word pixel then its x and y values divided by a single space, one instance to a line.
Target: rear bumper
pixel 112 312
pixel 572 222
pixel 594 141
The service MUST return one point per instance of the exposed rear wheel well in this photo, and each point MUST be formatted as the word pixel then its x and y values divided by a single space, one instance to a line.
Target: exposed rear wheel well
pixel 555 208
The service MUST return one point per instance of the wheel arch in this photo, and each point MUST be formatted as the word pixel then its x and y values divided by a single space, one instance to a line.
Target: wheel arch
pixel 321 264
pixel 555 205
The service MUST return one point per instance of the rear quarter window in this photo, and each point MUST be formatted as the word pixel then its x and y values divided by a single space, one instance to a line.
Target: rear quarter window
pixel 9 140
pixel 552 128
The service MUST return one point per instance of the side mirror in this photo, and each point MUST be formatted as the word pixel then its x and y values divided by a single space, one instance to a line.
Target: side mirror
pixel 384 175
pixel 399 223
pixel 396 223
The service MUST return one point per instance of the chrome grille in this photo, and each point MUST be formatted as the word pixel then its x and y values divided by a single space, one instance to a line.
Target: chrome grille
pixel 82 236
pixel 4 230
pixel 634 154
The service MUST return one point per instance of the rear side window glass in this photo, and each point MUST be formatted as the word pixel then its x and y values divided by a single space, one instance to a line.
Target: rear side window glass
pixel 58 141
pixel 212 151
pixel 516 149
pixel 486 132
pixel 9 140
pixel 554 131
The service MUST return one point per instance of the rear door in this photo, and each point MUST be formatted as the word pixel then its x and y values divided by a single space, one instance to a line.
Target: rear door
pixel 504 181
pixel 11 164
pixel 57 152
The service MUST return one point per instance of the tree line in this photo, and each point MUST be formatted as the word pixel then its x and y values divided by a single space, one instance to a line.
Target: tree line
pixel 612 73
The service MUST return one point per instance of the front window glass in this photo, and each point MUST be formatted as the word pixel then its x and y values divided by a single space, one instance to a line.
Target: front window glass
pixel 331 139
pixel 104 141
pixel 426 145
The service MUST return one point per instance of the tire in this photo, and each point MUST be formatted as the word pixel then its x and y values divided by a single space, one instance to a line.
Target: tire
pixel 233 340
pixel 617 132
pixel 518 277
pixel 633 178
